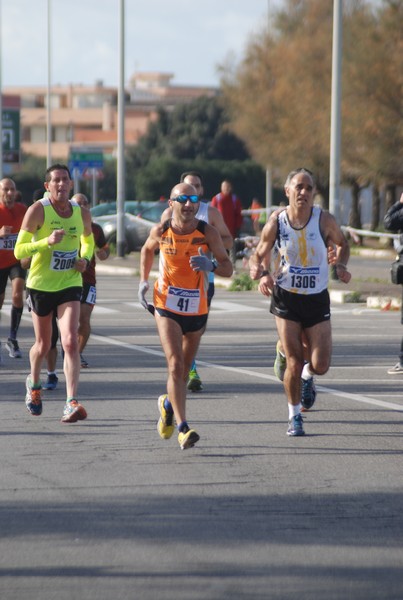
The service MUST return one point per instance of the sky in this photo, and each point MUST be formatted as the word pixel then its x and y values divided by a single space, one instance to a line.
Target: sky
pixel 188 38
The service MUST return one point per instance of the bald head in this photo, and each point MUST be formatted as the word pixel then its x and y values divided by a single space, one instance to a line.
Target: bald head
pixel 183 188
pixel 7 192
pixel 81 200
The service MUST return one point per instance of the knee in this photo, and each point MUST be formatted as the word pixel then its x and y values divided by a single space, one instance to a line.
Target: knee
pixel 320 366
pixel 42 347
pixel 17 299
pixel 294 367
pixel 70 343
pixel 175 368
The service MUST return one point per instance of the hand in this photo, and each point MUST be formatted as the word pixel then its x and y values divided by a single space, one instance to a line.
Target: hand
pixel 201 262
pixel 81 265
pixel 342 273
pixel 266 284
pixel 143 289
pixel 255 269
pixel 56 236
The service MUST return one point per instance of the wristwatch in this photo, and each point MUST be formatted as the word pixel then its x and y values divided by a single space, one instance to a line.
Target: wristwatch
pixel 215 265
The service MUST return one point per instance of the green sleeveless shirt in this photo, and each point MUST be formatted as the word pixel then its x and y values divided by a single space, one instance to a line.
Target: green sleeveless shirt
pixel 52 269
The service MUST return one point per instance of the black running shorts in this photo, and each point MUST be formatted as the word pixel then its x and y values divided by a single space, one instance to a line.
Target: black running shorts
pixel 43 303
pixel 307 309
pixel 187 323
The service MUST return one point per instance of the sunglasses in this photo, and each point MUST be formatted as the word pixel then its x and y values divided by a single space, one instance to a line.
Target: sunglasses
pixel 183 198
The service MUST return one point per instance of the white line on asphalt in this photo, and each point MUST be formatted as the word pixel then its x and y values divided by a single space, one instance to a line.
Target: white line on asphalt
pixel 332 392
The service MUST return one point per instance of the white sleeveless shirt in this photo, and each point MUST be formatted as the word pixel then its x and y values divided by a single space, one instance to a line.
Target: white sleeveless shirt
pixel 303 267
pixel 202 213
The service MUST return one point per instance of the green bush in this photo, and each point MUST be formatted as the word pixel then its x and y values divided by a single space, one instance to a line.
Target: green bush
pixel 243 283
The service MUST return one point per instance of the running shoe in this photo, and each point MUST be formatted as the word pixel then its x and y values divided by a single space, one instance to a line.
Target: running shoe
pixel 84 364
pixel 188 439
pixel 194 381
pixel 73 411
pixel 51 382
pixel 296 426
pixel 165 424
pixel 308 393
pixel 13 348
pixel 396 370
pixel 33 400
pixel 280 363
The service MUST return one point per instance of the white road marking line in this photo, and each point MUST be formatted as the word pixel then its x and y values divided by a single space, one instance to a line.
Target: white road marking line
pixel 354 397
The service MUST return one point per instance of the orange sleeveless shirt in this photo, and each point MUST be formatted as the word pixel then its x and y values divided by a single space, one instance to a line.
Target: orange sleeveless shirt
pixel 178 288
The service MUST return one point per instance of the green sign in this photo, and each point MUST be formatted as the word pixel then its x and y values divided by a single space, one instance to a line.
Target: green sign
pixel 85 158
pixel 11 135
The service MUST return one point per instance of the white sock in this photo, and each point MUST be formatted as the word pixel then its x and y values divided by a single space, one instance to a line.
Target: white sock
pixel 306 373
pixel 294 410
pixel 51 372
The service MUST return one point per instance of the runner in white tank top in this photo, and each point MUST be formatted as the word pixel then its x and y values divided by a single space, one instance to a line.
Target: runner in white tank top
pixel 300 300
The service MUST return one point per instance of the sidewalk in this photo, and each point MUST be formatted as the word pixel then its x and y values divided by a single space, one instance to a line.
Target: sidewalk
pixel 370 282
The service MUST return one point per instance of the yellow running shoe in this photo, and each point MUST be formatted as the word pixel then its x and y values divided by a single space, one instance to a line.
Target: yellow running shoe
pixel 188 439
pixel 166 421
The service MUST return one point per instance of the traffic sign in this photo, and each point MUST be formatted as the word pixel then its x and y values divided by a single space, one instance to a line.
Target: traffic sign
pixel 11 135
pixel 85 158
pixel 92 172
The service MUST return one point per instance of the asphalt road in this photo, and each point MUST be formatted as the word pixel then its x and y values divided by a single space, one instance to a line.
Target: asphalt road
pixel 103 509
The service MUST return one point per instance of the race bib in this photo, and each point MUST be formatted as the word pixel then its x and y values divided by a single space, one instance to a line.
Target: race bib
pixel 8 243
pixel 183 301
pixel 304 277
pixel 91 297
pixel 63 261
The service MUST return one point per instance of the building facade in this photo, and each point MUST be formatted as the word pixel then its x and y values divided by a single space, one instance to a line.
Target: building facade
pixel 86 115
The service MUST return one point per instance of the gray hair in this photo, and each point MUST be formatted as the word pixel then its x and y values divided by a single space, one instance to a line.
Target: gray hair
pixel 292 174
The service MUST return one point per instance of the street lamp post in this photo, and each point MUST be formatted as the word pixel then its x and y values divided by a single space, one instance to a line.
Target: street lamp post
pixel 335 119
pixel 120 234
pixel 48 107
pixel 1 103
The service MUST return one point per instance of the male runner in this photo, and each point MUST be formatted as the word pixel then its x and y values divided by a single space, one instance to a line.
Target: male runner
pixel 181 298
pixel 57 234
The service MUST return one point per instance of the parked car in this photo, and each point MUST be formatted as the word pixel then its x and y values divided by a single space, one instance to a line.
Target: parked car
pixel 138 219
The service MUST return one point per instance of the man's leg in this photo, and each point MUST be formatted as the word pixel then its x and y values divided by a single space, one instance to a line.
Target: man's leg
pixel 17 304
pixel 43 334
pixel 179 351
pixel 84 329
pixel 170 334
pixel 68 316
pixel 319 342
pixel 290 334
pixel 43 331
pixel 51 358
pixel 319 347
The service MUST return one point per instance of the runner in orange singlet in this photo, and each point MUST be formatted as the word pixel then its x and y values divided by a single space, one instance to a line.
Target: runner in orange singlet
pixel 180 298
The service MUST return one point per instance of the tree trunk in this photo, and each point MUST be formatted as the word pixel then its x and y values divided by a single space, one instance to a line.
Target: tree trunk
pixel 376 208
pixel 355 217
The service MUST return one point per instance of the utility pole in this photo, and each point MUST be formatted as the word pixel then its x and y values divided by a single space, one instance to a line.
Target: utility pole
pixel 48 94
pixel 120 234
pixel 1 102
pixel 335 119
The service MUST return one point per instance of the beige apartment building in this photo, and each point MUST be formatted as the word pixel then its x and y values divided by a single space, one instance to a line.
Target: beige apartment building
pixel 85 116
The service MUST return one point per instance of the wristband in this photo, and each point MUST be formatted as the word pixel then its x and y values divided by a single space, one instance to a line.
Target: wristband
pixel 264 273
pixel 215 265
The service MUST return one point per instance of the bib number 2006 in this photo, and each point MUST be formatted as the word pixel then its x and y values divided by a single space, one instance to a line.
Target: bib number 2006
pixel 63 261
